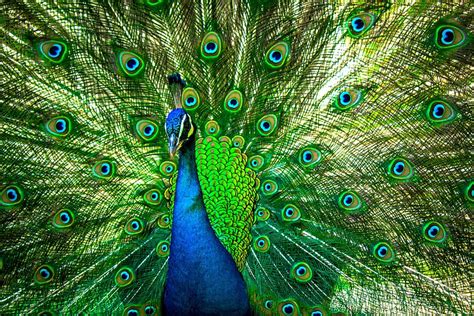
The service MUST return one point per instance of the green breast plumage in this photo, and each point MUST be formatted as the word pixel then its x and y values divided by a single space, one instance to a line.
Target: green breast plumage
pixel 229 191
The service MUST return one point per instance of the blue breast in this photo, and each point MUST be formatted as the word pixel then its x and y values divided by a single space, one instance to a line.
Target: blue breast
pixel 202 277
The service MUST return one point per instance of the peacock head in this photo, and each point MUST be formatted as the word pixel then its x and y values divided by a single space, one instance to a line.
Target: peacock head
pixel 179 128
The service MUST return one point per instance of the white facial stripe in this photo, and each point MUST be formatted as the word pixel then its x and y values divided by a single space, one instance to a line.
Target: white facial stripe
pixel 181 127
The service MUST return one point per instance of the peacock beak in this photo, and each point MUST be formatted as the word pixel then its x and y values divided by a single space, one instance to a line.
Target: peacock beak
pixel 172 144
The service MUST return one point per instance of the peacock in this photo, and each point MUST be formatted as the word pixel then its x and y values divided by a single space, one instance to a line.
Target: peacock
pixel 249 157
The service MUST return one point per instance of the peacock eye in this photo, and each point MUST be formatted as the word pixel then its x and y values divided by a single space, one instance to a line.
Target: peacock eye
pixel 147 130
pixel 150 310
pixel 348 99
pixel 133 312
pixel 277 55
pixel 63 219
pixel 269 187
pixel 190 98
pixel 152 197
pixel 59 126
pixel 349 201
pixel 134 226
pixel 383 252
pixel 449 36
pixel 400 169
pixel 164 221
pixel 309 157
pixel 11 195
pixel 255 162
pixel 267 124
pixel 131 64
pixel 53 51
pixel 290 213
pixel 163 249
pixel 262 214
pixel 261 244
pixel 359 24
pixel 238 141
pixel 434 232
pixel 212 128
pixel 124 276
pixel 167 168
pixel 104 169
pixel 288 308
pixel 211 46
pixel 233 101
pixel 268 304
pixel 318 311
pixel 301 272
pixel 440 112
pixel 44 274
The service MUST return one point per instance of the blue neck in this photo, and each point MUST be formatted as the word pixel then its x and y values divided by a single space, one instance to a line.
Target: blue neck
pixel 202 276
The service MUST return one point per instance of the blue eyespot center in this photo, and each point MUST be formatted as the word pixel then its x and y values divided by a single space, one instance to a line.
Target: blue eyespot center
pixel 148 130
pixel 132 64
pixel 265 125
pixel 254 163
pixel 260 213
pixel 154 196
pixel 164 247
pixel 288 309
pixel 433 231
pixel 45 273
pixel 348 200
pixel 289 212
pixel 132 312
pixel 268 304
pixel 438 111
pixel 447 36
pixel 233 103
pixel 60 126
pixel 307 156
pixel 135 225
pixel 55 50
pixel 125 275
pixel 149 310
pixel 318 313
pixel 65 218
pixel 190 101
pixel 301 271
pixel 382 251
pixel 169 169
pixel 345 98
pixel 12 195
pixel 398 168
pixel 357 24
pixel 275 56
pixel 210 47
pixel 268 186
pixel 105 168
